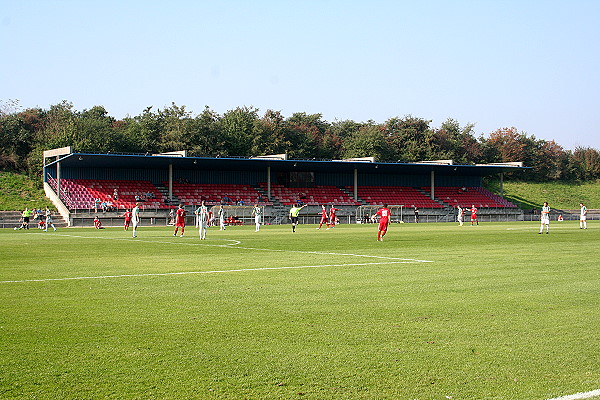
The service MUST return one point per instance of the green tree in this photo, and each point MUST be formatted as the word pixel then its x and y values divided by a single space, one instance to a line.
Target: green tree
pixel 237 129
pixel 367 141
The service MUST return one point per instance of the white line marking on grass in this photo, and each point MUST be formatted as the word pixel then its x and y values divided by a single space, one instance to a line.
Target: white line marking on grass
pixel 205 272
pixel 577 396
pixel 237 242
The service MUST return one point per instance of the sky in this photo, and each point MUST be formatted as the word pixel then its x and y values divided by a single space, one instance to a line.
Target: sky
pixel 529 64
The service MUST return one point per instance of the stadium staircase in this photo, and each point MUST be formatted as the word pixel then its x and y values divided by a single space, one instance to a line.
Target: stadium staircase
pixel 165 192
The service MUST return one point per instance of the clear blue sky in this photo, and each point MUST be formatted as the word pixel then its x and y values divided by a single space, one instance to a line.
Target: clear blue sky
pixel 534 65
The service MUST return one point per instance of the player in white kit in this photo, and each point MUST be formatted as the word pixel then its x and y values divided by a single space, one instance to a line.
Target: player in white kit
pixel 202 217
pixel 257 213
pixel 583 216
pixel 545 218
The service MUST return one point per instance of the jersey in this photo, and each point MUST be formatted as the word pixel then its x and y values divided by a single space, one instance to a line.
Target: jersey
pixel 257 211
pixel 294 211
pixel 473 212
pixel 202 212
pixel 135 215
pixel 332 211
pixel 127 216
pixel 545 215
pixel 180 217
pixel 583 212
pixel 384 215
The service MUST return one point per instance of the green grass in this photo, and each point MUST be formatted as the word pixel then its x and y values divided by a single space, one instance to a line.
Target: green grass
pixel 560 195
pixel 18 191
pixel 499 313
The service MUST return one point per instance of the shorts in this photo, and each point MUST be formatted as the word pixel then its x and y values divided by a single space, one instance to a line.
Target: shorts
pixel 383 225
pixel 294 220
pixel 545 220
pixel 180 223
pixel 583 218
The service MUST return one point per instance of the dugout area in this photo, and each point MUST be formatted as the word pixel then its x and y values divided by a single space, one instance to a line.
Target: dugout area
pixel 263 174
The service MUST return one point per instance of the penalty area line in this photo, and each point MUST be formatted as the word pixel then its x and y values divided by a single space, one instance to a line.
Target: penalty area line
pixel 204 272
pixel 578 396
pixel 235 245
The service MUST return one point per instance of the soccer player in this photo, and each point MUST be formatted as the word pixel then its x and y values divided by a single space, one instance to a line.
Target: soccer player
pixel 294 211
pixel 461 215
pixel 257 213
pixel 127 216
pixel 202 217
pixel 324 217
pixel 583 216
pixel 384 215
pixel 49 220
pixel 97 223
pixel 332 217
pixel 545 218
pixel 221 214
pixel 179 220
pixel 135 218
pixel 473 210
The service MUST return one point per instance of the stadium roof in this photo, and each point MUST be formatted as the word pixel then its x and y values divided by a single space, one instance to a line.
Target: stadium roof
pixel 153 161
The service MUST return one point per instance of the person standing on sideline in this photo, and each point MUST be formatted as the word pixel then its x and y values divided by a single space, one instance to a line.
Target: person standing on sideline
pixel 257 213
pixel 221 214
pixel 202 218
pixel 26 215
pixel 583 216
pixel 545 218
pixel 384 215
pixel 135 218
pixel 416 215
pixel 49 220
pixel 324 217
pixel 473 210
pixel 127 216
pixel 332 217
pixel 461 215
pixel 179 220
pixel 294 211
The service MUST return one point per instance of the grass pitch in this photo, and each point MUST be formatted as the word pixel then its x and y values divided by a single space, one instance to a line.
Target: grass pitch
pixel 436 311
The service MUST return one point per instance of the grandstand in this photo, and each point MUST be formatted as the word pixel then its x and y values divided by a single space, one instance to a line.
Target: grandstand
pixel 213 193
pixel 82 193
pixel 321 194
pixel 75 180
pixel 468 196
pixel 396 195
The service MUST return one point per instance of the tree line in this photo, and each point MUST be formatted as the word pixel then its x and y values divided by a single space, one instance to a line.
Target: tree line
pixel 245 132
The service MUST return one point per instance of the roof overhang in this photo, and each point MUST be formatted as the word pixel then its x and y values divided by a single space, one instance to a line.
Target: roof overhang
pixel 149 161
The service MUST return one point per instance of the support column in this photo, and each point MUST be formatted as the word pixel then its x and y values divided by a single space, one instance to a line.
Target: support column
pixel 432 185
pixel 502 184
pixel 355 184
pixel 170 182
pixel 58 180
pixel 269 183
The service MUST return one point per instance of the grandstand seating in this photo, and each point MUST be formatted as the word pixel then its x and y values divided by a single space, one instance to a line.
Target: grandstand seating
pixel 466 197
pixel 395 195
pixel 194 193
pixel 320 194
pixel 81 193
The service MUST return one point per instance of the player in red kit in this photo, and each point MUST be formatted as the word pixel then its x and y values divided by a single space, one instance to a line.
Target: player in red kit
pixel 179 220
pixel 324 217
pixel 384 220
pixel 127 215
pixel 332 217
pixel 473 210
